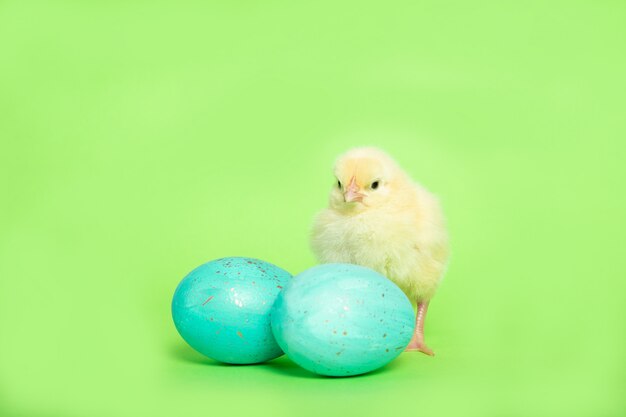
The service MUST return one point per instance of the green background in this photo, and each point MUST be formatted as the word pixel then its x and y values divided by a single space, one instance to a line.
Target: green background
pixel 140 139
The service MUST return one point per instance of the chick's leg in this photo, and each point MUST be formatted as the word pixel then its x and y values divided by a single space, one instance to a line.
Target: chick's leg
pixel 417 342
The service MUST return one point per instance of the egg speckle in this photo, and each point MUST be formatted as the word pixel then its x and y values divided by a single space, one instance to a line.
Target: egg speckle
pixel 342 319
pixel 222 309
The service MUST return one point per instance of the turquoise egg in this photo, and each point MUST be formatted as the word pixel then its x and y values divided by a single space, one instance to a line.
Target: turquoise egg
pixel 342 319
pixel 222 309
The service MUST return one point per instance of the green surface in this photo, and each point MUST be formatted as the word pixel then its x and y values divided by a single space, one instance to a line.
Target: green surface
pixel 140 139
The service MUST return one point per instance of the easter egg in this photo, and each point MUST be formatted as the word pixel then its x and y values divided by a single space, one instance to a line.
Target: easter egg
pixel 222 309
pixel 342 320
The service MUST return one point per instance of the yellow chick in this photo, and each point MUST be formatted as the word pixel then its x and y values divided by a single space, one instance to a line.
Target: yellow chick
pixel 379 218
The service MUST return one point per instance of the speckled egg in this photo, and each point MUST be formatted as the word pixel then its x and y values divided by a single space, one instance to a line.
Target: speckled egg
pixel 342 320
pixel 222 309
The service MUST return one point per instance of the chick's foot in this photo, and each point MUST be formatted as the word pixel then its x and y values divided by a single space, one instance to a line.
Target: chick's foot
pixel 417 342
pixel 419 346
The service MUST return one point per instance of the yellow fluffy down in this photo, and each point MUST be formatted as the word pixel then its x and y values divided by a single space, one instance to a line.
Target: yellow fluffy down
pixel 398 229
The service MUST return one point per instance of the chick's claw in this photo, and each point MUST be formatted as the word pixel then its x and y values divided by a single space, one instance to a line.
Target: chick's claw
pixel 415 346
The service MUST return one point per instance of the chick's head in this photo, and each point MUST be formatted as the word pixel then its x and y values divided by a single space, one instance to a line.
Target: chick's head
pixel 365 178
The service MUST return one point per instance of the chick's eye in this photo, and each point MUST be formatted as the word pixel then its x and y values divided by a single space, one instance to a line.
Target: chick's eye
pixel 338 183
pixel 374 185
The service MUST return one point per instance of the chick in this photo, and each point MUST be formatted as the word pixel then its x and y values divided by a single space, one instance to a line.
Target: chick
pixel 379 218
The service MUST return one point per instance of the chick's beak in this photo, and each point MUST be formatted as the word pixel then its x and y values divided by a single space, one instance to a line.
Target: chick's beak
pixel 352 193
